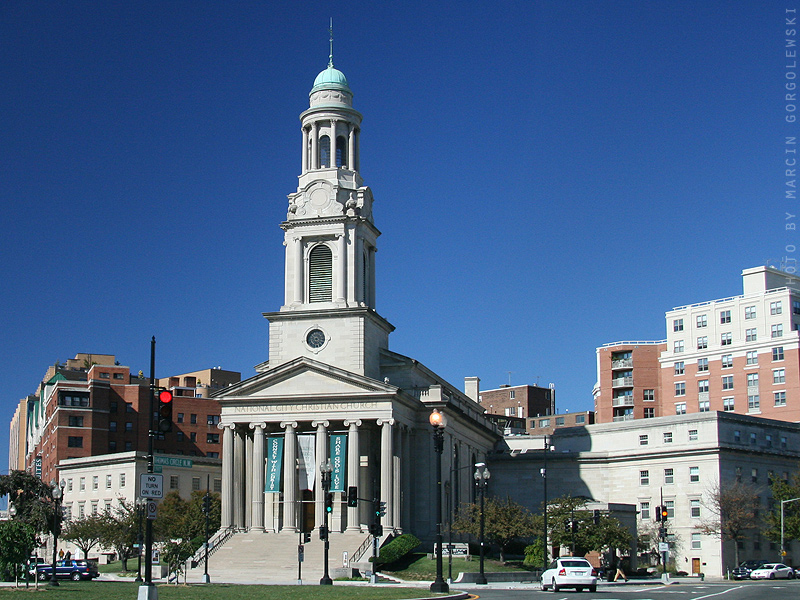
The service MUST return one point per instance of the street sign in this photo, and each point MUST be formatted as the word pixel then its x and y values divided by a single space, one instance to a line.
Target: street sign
pixel 663 546
pixel 300 553
pixel 151 510
pixel 166 461
pixel 151 485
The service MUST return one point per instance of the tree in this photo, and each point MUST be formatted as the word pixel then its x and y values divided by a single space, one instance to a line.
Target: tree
pixel 504 522
pixel 85 533
pixel 119 529
pixel 32 498
pixel 784 489
pixel 180 519
pixel 733 509
pixel 175 555
pixel 17 539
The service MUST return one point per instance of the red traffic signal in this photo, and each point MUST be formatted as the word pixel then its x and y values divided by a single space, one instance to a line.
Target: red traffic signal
pixel 165 411
pixel 165 396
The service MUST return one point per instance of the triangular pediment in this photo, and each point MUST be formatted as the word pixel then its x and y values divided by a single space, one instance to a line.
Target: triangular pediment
pixel 304 378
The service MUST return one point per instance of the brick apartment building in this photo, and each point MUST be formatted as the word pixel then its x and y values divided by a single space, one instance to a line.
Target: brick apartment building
pixel 521 401
pixel 738 354
pixel 93 406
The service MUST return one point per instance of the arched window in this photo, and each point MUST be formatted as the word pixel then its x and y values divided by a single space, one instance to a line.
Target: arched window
pixel 324 152
pixel 341 151
pixel 320 274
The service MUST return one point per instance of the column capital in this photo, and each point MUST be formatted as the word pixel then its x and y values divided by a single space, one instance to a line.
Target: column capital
pixel 258 426
pixel 351 422
pixel 320 423
pixel 231 426
pixel 287 424
pixel 381 422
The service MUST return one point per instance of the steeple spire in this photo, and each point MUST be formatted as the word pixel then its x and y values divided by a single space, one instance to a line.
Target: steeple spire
pixel 330 56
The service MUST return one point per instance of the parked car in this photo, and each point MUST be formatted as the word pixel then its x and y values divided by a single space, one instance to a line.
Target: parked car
pixel 69 569
pixel 569 572
pixel 743 570
pixel 773 571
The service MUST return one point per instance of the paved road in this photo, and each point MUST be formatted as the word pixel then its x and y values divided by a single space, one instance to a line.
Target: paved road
pixel 735 590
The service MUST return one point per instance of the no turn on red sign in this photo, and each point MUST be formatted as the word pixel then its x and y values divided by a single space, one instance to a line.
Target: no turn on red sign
pixel 151 485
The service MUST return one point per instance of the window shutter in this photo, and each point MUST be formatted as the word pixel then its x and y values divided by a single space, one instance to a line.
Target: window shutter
pixel 320 286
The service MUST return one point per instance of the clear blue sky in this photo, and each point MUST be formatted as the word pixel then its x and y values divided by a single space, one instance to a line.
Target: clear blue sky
pixel 549 175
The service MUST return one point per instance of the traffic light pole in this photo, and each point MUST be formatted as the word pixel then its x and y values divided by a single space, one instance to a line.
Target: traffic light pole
pixel 326 487
pixel 148 591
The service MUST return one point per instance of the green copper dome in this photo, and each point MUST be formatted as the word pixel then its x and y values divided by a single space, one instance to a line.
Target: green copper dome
pixel 330 78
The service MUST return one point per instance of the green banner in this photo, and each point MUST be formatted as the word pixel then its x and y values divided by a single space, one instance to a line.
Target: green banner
pixel 338 457
pixel 274 460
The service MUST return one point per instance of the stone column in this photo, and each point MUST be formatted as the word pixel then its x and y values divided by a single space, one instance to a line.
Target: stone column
pixel 289 478
pixel 341 271
pixel 357 151
pixel 353 468
pixel 238 479
pixel 304 166
pixel 322 456
pixel 397 475
pixel 387 479
pixel 315 145
pixel 351 148
pixel 226 521
pixel 257 499
pixel 333 142
pixel 298 270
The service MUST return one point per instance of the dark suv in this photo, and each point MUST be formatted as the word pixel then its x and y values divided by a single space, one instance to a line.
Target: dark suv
pixel 743 570
pixel 69 569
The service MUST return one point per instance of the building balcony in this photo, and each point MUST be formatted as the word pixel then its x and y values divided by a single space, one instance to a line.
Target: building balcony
pixel 623 418
pixel 622 382
pixel 622 363
pixel 622 401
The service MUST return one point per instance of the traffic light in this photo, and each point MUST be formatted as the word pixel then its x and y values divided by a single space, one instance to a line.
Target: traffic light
pixel 307 537
pixel 664 513
pixel 165 411
pixel 376 529
pixel 207 504
pixel 596 517
pixel 352 496
pixel 380 511
pixel 323 532
pixel 329 502
pixel 658 513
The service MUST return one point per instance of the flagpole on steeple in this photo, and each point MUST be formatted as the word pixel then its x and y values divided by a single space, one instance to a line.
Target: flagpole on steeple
pixel 330 56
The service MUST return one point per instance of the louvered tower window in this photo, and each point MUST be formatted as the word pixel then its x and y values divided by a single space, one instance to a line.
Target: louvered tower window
pixel 341 151
pixel 365 278
pixel 320 271
pixel 324 152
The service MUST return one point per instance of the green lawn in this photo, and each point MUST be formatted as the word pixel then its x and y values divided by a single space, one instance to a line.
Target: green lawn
pixel 114 590
pixel 418 567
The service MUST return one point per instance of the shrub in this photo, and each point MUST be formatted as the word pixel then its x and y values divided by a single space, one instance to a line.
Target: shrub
pixel 397 549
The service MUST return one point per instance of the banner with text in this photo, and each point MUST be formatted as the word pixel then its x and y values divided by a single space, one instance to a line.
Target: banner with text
pixel 338 457
pixel 308 461
pixel 274 461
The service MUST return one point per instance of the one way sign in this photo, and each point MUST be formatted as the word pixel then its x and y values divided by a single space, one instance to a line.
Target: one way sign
pixel 151 485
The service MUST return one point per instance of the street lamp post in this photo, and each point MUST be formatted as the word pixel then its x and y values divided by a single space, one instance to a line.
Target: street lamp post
pixel 325 470
pixel 12 512
pixel 438 421
pixel 543 471
pixel 481 480
pixel 139 538
pixel 783 503
pixel 207 511
pixel 58 494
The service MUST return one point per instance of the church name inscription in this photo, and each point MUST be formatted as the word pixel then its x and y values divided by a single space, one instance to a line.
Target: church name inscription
pixel 293 408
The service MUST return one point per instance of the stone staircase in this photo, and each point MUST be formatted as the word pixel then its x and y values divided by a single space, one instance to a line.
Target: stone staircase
pixel 257 557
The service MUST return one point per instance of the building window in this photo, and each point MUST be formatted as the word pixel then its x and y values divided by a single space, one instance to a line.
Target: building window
pixel 128 446
pixel 702 320
pixel 702 342
pixel 579 419
pixel 777 353
pixel 768 440
pixel 195 483
pixel 645 511
pixel 680 389
pixel 69 484
pixel 752 357
pixel 696 541
pixel 727 382
pixel 218 485
pixel 129 407
pixel 108 482
pixel 559 421
pixel 750 335
pixel 754 475
pixel 680 408
pixel 694 474
pixel 777 330
pixel 193 419
pixel 643 440
pixel 193 436
pixel 728 404
pixel 128 426
pixel 649 412
pixel 324 152
pixel 212 438
pixel 180 418
pixel 704 406
pixel 749 312
pixel 212 454
pixel 512 394
pixel 752 380
pixel 75 441
pixel 669 476
pixel 82 484
pixel 727 361
pixel 737 436
pixel 753 439
pixel 727 339
pixel 753 402
pixel 677 325
pixel 780 398
pixel 81 510
pixel 75 421
pixel 179 436
pixel 694 508
pixel 775 308
pixel 783 441
pixel 112 426
pixel 724 317
pixel 678 346
pixel 679 368
pixel 779 376
pixel 95 482
pixel 670 505
pixel 122 480
pixel 649 395
pixel 693 435
pixel 702 386
pixel 644 477
pixel 667 437
pixel 173 482
pixel 112 406
pixel 320 274
pixel 702 365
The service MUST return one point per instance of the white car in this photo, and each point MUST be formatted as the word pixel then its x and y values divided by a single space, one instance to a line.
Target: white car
pixel 569 572
pixel 773 571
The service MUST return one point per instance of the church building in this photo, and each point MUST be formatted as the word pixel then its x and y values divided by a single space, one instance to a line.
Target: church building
pixel 331 392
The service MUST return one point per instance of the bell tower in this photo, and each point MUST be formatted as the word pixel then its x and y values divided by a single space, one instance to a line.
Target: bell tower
pixel 330 239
